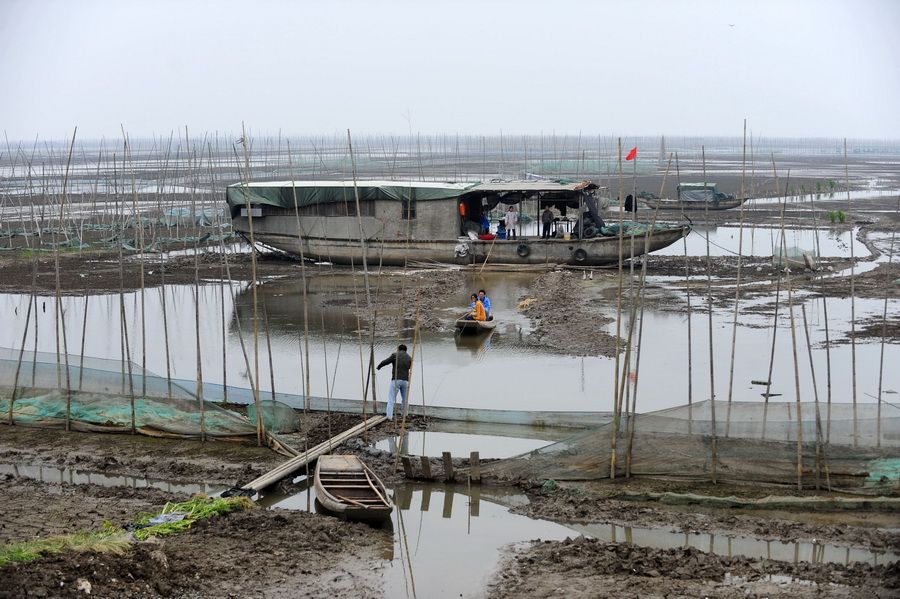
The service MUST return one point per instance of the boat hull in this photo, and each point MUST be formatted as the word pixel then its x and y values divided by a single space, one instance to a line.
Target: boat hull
pixel 693 206
pixel 531 251
pixel 350 490
pixel 475 326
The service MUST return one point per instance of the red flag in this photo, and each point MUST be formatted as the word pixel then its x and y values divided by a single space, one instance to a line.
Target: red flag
pixel 632 154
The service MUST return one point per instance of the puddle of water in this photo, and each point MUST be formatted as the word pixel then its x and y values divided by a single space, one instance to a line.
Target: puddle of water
pixel 766 241
pixel 454 539
pixel 460 445
pixel 793 552
pixel 456 534
pixel 71 476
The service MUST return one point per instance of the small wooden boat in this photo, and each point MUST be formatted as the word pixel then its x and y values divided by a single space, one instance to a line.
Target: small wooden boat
pixel 349 489
pixel 464 325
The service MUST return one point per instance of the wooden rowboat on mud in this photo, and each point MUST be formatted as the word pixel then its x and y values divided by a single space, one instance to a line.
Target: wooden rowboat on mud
pixel 465 326
pixel 348 488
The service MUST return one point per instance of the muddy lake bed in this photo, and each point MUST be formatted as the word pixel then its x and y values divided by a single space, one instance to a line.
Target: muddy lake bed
pixel 554 349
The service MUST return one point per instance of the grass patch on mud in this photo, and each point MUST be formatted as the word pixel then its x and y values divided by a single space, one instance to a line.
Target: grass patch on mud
pixel 109 540
pixel 173 518
pixel 176 517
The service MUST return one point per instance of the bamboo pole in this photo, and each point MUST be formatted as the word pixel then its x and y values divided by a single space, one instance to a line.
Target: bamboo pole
pixel 59 317
pixel 304 363
pixel 852 297
pixel 709 309
pixel 139 243
pixel 32 303
pixel 641 290
pixel 83 336
pixel 787 271
pixel 887 276
pixel 820 453
pixel 405 409
pixel 774 331
pixel 690 345
pixel 825 320
pixel 260 436
pixel 614 429
pixel 737 290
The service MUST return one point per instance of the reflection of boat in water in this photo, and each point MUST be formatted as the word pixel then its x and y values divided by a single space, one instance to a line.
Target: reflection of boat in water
pixel 474 343
pixel 696 196
pixel 349 488
pixel 404 221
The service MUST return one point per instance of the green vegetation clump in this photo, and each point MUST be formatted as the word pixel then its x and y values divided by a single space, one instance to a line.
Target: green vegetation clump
pixel 113 539
pixel 197 508
pixel 109 540
pixel 837 216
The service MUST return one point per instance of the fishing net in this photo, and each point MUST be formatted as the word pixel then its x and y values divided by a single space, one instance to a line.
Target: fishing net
pixel 795 257
pixel 277 417
pixel 111 396
pixel 756 443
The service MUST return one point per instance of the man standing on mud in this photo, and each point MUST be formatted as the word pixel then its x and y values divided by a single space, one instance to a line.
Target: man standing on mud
pixel 401 363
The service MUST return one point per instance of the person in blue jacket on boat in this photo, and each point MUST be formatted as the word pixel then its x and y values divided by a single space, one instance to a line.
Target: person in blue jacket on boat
pixel 482 296
pixel 485 224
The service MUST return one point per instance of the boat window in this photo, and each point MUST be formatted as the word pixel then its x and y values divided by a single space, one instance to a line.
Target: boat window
pixel 408 205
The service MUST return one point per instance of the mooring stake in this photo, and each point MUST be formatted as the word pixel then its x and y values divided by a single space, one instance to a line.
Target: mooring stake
pixel 407 467
pixel 448 467
pixel 426 467
pixel 475 467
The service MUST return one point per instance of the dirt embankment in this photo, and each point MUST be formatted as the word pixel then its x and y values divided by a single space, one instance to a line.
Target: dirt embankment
pixel 400 297
pixel 581 568
pixel 562 318
pixel 588 505
pixel 257 553
pixel 225 463
pixel 32 509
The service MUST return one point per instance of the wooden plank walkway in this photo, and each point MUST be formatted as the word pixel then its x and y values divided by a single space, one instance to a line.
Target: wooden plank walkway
pixel 292 465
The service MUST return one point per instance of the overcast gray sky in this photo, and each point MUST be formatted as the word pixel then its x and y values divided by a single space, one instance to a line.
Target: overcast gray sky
pixel 793 68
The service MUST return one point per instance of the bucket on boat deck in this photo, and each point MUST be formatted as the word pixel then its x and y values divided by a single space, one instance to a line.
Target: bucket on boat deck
pixel 567 236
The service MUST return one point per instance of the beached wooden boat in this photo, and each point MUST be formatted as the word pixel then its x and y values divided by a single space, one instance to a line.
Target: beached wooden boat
pixel 403 222
pixel 669 204
pixel 349 489
pixel 465 326
pixel 696 196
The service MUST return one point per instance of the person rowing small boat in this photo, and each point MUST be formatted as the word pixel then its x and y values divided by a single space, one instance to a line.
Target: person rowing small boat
pixel 476 319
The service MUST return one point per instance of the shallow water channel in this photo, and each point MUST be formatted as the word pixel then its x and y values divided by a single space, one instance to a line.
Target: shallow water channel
pixel 502 370
pixel 451 537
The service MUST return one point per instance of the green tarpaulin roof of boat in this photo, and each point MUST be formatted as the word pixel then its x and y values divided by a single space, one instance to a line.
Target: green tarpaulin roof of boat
pixel 710 186
pixel 281 193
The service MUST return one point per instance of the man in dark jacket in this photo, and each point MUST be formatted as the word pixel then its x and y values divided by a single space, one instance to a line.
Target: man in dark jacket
pixel 401 362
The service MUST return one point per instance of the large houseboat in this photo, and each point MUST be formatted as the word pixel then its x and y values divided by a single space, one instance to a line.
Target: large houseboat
pixel 405 221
